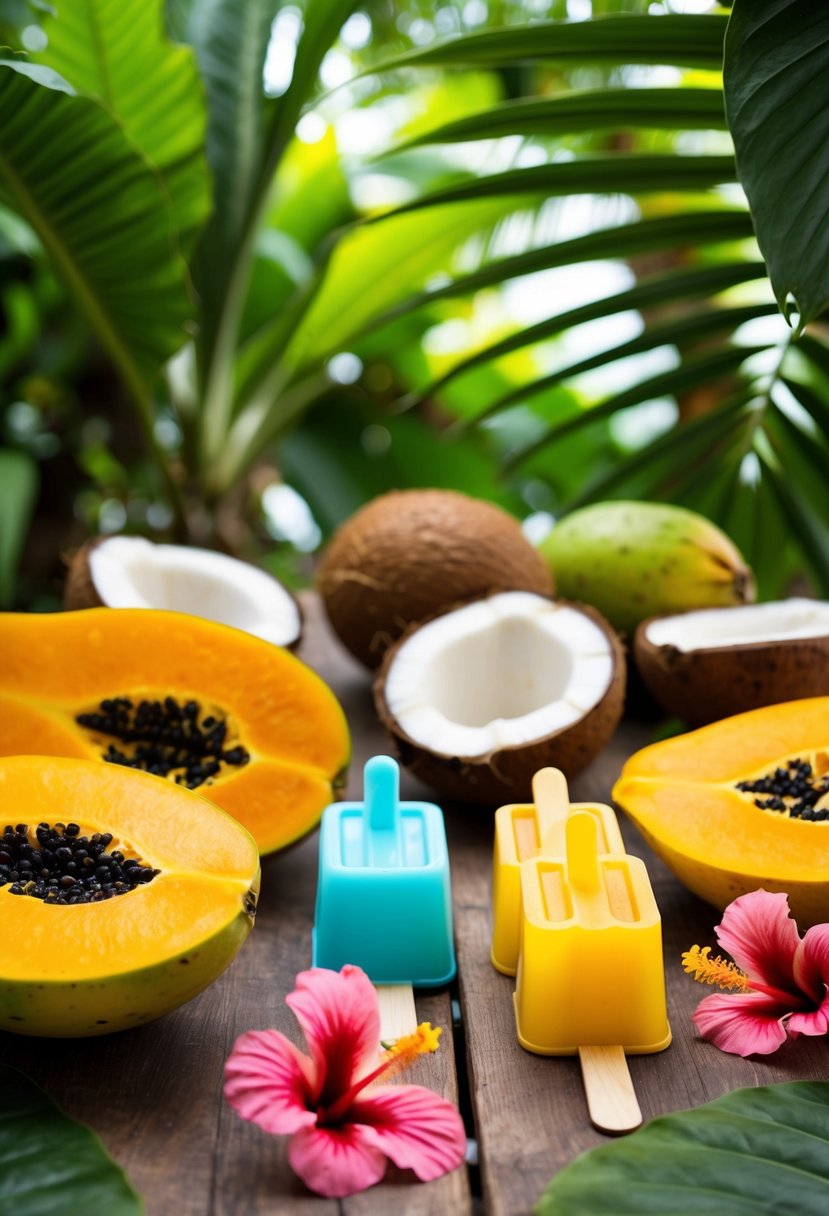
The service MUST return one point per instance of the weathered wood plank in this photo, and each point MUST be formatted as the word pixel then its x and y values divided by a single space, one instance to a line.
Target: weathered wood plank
pixel 154 1094
pixel 353 687
pixel 531 1114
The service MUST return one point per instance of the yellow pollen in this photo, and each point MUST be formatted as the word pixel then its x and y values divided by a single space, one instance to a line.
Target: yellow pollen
pixel 423 1042
pixel 719 971
pixel 405 1050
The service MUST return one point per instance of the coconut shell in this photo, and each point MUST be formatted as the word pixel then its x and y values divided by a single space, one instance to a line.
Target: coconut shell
pixel 702 686
pixel 79 590
pixel 506 775
pixel 412 553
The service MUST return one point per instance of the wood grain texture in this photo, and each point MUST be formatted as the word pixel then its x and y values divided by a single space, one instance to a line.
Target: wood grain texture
pixel 531 1113
pixel 154 1095
pixel 398 1016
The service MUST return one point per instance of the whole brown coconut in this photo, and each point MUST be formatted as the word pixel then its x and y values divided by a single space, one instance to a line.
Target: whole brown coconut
pixel 411 553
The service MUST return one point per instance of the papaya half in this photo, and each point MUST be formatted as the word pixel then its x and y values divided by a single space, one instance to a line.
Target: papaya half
pixel 209 707
pixel 741 804
pixel 121 896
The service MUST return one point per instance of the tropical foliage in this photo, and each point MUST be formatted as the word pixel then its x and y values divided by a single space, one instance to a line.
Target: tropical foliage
pixel 74 1173
pixel 224 265
pixel 754 1150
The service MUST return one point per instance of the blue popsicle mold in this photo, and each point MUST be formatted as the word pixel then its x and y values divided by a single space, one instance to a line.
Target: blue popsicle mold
pixel 384 898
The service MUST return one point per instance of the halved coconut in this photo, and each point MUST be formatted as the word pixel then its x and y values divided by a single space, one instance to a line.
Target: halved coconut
pixel 131 572
pixel 481 697
pixel 715 662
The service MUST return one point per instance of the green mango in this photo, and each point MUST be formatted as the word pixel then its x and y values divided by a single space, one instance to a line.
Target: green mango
pixel 633 560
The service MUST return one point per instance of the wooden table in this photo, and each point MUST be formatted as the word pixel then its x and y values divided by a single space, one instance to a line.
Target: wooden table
pixel 154 1094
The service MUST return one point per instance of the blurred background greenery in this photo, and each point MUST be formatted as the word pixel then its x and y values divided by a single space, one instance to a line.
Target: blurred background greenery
pixel 260 263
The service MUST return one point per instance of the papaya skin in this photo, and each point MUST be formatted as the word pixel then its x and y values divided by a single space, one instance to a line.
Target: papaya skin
pixel 59 665
pixel 90 969
pixel 681 795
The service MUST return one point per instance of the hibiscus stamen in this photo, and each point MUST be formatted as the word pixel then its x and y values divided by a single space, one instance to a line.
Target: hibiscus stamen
pixel 394 1060
pixel 699 964
pixel 404 1051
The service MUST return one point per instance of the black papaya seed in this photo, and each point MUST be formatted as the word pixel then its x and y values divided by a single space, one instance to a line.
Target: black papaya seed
pixel 165 738
pixel 68 868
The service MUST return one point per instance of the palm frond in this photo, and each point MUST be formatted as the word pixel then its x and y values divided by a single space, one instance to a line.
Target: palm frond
pixel 690 374
pixel 675 38
pixel 616 109
pixel 623 173
pixel 689 329
pixel 689 230
pixel 668 287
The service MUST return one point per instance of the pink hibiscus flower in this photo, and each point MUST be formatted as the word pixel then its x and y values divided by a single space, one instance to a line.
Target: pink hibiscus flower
pixel 781 978
pixel 342 1125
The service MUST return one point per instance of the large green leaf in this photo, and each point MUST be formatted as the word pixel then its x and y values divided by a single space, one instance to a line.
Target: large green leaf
pixel 322 22
pixel 375 265
pixel 230 41
pixel 676 38
pixel 115 51
pixel 617 174
pixel 755 1152
pixel 100 213
pixel 369 269
pixel 312 200
pixel 776 66
pixel 247 138
pixel 51 1164
pixel 18 488
pixel 593 110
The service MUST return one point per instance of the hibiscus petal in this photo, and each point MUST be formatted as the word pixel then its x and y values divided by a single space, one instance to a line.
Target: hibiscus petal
pixel 335 1161
pixel 743 1023
pixel 811 964
pixel 338 1013
pixel 269 1082
pixel 815 1022
pixel 413 1126
pixel 760 935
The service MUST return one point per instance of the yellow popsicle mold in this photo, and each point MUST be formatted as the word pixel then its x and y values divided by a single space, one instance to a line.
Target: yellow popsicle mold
pixel 590 971
pixel 523 831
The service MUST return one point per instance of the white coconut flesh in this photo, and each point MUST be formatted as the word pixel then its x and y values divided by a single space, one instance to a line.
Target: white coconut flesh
pixel 746 625
pixel 130 572
pixel 498 673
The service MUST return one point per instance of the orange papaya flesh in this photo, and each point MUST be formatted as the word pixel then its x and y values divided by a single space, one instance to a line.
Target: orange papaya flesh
pixel 720 840
pixel 95 967
pixel 283 742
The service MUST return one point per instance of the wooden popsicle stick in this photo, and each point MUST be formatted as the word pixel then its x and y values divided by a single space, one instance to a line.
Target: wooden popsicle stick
pixel 611 1098
pixel 550 792
pixel 398 1016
